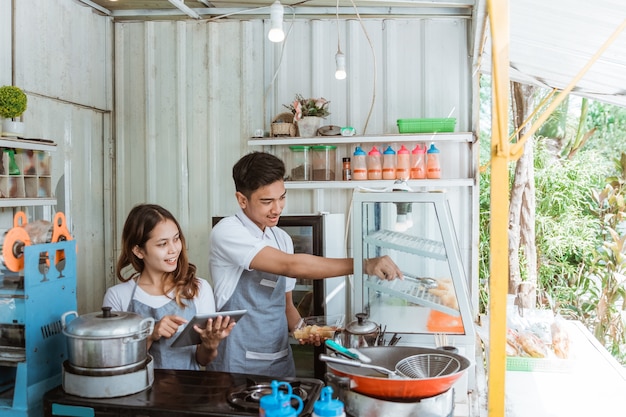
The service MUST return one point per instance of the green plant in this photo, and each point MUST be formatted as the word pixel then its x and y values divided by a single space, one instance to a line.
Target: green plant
pixel 302 107
pixel 12 102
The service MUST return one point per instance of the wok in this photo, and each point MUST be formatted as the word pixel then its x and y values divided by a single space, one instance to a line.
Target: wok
pixel 369 382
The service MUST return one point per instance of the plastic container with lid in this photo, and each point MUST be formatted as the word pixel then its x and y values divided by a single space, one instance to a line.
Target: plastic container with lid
pixel 300 168
pixel 326 406
pixel 359 164
pixel 403 163
pixel 418 170
pixel 374 164
pixel 324 162
pixel 433 167
pixel 389 164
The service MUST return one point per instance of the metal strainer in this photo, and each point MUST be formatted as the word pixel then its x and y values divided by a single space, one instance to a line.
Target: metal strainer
pixel 427 365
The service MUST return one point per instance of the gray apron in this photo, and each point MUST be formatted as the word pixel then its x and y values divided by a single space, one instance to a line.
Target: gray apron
pixel 165 356
pixel 259 343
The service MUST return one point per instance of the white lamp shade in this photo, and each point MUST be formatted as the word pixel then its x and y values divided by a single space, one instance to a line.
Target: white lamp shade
pixel 276 33
pixel 340 60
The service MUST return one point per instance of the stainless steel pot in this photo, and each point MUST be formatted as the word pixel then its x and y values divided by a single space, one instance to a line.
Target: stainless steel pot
pixel 359 333
pixel 107 339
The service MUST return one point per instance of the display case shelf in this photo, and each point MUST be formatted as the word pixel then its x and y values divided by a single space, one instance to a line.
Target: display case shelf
pixel 407 243
pixel 413 290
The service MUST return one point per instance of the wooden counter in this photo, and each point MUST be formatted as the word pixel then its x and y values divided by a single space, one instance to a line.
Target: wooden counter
pixel 593 384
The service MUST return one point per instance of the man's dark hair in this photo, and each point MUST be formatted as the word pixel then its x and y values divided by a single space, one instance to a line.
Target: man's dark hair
pixel 255 170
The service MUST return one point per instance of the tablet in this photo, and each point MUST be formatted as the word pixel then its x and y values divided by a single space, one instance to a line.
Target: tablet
pixel 188 336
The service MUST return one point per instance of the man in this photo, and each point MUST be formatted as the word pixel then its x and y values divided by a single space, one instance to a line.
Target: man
pixel 253 267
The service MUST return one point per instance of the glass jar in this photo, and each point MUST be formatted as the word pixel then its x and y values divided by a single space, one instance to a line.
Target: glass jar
pixel 300 168
pixel 324 162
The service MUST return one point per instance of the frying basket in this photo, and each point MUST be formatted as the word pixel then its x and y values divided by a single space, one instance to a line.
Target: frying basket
pixel 427 365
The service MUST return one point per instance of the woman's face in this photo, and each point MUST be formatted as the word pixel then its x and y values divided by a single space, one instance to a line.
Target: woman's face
pixel 160 253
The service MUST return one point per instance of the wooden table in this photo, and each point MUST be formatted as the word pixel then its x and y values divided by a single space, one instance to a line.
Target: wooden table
pixel 593 384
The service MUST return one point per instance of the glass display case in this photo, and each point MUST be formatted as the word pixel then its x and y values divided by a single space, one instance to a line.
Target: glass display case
pixel 416 230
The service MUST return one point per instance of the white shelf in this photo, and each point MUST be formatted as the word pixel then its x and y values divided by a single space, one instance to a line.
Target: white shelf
pixel 378 184
pixel 27 202
pixel 340 140
pixel 33 145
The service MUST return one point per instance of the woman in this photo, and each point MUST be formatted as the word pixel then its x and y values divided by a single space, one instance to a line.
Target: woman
pixel 162 284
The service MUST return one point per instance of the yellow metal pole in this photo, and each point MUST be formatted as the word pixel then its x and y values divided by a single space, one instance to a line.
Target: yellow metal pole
pixel 499 244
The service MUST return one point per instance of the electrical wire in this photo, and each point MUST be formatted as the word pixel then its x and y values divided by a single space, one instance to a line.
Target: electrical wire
pixel 369 114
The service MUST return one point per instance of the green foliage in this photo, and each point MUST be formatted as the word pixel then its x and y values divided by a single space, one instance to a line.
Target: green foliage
pixel 12 102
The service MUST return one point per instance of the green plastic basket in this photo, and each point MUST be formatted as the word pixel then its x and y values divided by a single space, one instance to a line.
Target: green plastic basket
pixel 426 125
pixel 515 363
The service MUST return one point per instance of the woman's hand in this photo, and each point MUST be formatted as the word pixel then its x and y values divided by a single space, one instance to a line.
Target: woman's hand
pixel 216 330
pixel 167 327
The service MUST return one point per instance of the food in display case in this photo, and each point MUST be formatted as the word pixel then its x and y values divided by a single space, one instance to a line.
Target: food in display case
pixel 416 230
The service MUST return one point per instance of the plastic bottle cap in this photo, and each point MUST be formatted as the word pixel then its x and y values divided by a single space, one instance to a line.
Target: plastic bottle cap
pixel 433 149
pixel 389 151
pixel 358 151
pixel 374 151
pixel 418 149
pixel 326 406
pixel 403 150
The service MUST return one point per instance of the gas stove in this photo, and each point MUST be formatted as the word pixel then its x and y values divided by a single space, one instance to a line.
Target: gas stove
pixel 186 394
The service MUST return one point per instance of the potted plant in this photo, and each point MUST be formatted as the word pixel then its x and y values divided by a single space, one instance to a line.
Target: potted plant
pixel 308 113
pixel 12 104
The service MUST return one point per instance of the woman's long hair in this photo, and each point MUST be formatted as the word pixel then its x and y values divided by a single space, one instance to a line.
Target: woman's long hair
pixel 138 227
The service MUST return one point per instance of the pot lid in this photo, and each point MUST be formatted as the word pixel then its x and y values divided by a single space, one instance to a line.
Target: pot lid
pixel 361 325
pixel 105 324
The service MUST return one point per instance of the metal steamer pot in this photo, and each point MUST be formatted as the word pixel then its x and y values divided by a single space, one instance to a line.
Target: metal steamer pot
pixel 359 333
pixel 107 340
pixel 371 383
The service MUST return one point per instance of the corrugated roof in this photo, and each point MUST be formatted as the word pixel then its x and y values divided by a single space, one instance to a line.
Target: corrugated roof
pixel 552 41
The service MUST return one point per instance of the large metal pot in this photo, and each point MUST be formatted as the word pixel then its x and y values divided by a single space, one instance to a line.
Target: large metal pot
pixel 110 339
pixel 370 382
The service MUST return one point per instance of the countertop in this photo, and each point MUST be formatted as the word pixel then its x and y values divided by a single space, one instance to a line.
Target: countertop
pixel 592 383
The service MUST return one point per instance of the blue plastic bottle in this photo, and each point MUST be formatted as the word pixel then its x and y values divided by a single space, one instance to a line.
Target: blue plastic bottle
pixel 278 403
pixel 326 406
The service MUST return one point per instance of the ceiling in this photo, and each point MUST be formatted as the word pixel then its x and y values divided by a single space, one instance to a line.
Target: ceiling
pixel 550 41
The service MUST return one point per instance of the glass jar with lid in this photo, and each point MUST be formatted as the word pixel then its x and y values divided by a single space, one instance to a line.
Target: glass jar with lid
pixel 299 165
pixel 324 162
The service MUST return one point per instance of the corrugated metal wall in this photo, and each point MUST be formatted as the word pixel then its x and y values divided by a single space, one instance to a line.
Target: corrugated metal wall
pixel 62 58
pixel 190 94
pixel 187 95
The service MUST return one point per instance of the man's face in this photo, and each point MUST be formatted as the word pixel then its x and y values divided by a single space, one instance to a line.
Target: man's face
pixel 265 204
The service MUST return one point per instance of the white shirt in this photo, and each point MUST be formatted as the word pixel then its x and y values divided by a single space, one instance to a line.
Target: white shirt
pixel 118 297
pixel 235 241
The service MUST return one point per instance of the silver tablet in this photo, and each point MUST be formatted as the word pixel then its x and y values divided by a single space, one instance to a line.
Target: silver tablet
pixel 188 336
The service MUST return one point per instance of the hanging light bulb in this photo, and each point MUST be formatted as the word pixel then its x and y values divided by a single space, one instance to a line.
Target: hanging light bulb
pixel 276 33
pixel 340 60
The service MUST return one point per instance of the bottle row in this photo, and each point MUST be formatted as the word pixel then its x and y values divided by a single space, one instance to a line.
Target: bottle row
pixel 318 162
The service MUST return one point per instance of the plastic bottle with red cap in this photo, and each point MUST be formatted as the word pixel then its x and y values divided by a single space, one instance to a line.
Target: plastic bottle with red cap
pixel 403 163
pixel 418 170
pixel 374 164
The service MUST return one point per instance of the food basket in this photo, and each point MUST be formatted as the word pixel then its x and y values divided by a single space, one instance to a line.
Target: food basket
pixel 426 125
pixel 324 326
pixel 283 125
pixel 518 363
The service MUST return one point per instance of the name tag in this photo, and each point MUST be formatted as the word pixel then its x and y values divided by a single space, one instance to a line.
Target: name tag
pixel 268 283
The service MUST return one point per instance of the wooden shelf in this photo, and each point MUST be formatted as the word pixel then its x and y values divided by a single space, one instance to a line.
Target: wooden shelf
pixel 379 185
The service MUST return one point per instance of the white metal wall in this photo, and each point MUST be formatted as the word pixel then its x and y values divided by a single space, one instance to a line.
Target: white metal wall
pixel 189 94
pixel 186 97
pixel 62 58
